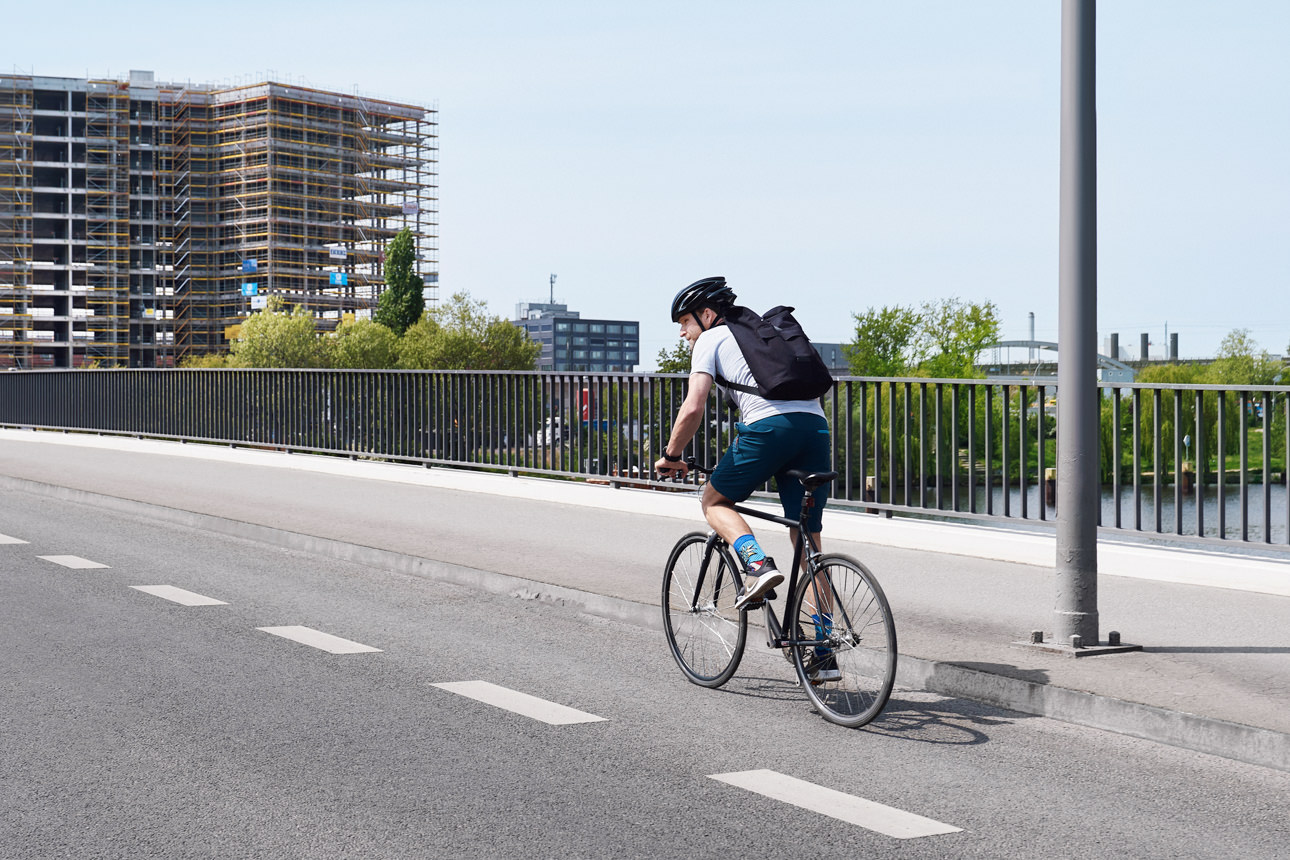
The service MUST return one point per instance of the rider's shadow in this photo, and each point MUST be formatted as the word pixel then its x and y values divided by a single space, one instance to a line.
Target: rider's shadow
pixel 932 719
pixel 910 714
pixel 915 715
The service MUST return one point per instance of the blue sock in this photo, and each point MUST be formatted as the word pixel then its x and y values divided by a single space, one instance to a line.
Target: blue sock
pixel 749 551
pixel 823 627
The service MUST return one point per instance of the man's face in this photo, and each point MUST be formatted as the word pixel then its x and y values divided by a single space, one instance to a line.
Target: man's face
pixel 690 328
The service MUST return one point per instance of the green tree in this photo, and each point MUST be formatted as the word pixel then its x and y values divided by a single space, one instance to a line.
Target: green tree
pixel 460 335
pixel 401 305
pixel 275 338
pixel 952 334
pixel 1241 362
pixel 417 347
pixel 209 359
pixel 1175 374
pixel 677 360
pixel 362 344
pixel 884 342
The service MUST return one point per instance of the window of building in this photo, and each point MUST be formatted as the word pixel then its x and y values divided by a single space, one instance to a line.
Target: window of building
pixel 614 329
pixel 597 328
pixel 580 340
pixel 629 329
pixel 579 353
pixel 582 327
pixel 597 355
pixel 562 326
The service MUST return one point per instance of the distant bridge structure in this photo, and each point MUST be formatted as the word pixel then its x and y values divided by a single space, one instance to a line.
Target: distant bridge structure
pixel 1041 360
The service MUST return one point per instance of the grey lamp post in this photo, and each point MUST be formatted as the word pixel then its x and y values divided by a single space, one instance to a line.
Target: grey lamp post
pixel 1078 485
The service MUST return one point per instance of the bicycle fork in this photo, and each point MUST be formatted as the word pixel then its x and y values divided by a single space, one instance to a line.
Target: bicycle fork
pixel 712 550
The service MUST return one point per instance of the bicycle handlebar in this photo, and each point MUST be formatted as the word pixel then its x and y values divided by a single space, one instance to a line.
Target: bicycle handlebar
pixel 693 465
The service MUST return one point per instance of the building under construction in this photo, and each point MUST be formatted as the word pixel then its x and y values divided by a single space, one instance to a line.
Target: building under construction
pixel 140 221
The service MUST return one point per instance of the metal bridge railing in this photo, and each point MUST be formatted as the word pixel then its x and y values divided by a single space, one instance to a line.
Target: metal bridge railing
pixel 1183 463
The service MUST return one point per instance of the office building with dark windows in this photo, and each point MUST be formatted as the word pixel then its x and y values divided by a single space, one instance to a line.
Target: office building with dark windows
pixel 572 343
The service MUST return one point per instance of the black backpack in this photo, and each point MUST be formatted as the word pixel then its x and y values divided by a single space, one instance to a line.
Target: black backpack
pixel 779 354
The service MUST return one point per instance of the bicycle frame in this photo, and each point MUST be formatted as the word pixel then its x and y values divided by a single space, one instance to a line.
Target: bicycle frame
pixel 774 630
pixel 847 672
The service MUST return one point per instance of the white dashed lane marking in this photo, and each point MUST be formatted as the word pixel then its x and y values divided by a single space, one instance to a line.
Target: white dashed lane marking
pixel 886 820
pixel 7 539
pixel 178 595
pixel 73 561
pixel 519 703
pixel 319 640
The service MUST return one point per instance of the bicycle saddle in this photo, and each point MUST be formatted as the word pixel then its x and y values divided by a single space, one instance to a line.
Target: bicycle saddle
pixel 811 480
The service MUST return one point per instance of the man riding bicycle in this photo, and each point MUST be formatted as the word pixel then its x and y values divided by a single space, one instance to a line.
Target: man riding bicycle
pixel 774 436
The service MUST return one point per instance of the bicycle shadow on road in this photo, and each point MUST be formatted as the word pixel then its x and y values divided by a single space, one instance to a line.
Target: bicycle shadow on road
pixel 930 718
pixel 913 715
pixel 938 714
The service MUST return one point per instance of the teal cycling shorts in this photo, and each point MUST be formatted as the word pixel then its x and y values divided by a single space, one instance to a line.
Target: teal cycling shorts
pixel 767 449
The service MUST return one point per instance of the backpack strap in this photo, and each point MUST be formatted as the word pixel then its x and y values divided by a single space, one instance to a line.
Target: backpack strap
pixel 726 383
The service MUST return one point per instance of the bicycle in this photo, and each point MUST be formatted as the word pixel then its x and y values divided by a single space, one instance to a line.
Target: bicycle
pixel 841 636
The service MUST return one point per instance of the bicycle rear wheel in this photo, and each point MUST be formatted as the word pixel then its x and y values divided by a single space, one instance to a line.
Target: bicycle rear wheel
pixel 704 630
pixel 846 651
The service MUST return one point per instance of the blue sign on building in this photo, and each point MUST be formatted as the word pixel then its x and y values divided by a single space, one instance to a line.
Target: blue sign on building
pixel 250 288
pixel 250 266
pixel 339 279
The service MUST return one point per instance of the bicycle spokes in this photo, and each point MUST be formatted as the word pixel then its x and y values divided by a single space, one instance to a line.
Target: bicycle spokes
pixel 705 633
pixel 845 645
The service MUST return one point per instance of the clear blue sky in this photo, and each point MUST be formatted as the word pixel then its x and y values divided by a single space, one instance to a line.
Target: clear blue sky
pixel 830 155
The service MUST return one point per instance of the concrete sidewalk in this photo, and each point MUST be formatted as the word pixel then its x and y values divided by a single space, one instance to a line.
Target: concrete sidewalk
pixel 1213 675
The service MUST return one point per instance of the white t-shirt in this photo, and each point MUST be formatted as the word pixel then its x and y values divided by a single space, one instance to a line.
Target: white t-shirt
pixel 717 351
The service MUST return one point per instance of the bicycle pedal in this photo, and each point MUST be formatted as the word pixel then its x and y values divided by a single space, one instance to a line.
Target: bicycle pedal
pixel 770 595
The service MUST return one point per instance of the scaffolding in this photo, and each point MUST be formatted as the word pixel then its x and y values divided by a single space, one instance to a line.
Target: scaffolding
pixel 165 214
pixel 306 187
pixel 15 221
pixel 107 222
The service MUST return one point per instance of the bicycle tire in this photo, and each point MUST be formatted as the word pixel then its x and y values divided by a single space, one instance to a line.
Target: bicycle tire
pixel 862 638
pixel 706 640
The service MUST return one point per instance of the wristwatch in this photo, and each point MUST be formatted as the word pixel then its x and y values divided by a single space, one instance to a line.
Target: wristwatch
pixel 668 457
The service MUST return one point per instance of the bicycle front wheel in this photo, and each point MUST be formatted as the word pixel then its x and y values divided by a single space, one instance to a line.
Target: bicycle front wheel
pixel 845 651
pixel 704 630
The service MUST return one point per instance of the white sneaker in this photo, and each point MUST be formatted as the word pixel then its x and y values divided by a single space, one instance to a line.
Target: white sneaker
pixel 824 670
pixel 755 588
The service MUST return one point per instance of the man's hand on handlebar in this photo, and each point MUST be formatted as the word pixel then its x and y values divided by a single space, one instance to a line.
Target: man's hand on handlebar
pixel 676 469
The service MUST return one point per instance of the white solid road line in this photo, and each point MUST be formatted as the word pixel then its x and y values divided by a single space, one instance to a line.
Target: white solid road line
pixel 320 640
pixel 520 703
pixel 886 820
pixel 179 595
pixel 73 561
pixel 6 539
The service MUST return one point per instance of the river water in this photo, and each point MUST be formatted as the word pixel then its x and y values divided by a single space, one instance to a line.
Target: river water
pixel 1231 499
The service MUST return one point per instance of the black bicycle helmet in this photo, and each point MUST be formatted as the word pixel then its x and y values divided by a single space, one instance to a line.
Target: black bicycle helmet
pixel 707 293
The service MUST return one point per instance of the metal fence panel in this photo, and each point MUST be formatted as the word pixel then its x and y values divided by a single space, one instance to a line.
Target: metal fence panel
pixel 897 454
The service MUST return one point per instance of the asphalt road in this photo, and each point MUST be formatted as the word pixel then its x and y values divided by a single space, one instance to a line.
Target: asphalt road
pixel 135 726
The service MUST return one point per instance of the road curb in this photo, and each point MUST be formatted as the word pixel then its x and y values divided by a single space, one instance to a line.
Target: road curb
pixel 1250 744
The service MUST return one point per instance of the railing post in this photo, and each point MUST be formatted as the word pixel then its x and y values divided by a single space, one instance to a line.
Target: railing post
pixel 1078 484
